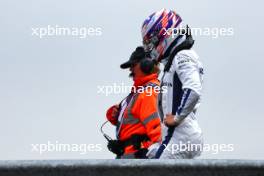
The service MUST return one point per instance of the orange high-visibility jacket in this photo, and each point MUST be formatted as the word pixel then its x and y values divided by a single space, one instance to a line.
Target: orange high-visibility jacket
pixel 140 116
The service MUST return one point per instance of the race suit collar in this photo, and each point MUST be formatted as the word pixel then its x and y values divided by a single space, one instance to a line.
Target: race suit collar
pixel 141 81
pixel 164 61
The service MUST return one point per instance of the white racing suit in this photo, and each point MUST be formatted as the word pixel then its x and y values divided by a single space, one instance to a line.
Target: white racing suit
pixel 182 98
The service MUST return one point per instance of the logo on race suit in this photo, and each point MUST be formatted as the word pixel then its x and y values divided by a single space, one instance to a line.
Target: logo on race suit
pixel 168 84
pixel 183 61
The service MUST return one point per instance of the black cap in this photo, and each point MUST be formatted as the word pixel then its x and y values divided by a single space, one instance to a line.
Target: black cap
pixel 135 57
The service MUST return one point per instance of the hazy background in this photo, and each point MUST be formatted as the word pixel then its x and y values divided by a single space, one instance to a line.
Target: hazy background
pixel 48 87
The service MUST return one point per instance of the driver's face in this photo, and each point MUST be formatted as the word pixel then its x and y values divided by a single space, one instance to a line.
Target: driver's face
pixel 136 71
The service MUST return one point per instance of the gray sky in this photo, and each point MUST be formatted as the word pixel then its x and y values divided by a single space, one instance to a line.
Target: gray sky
pixel 48 86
